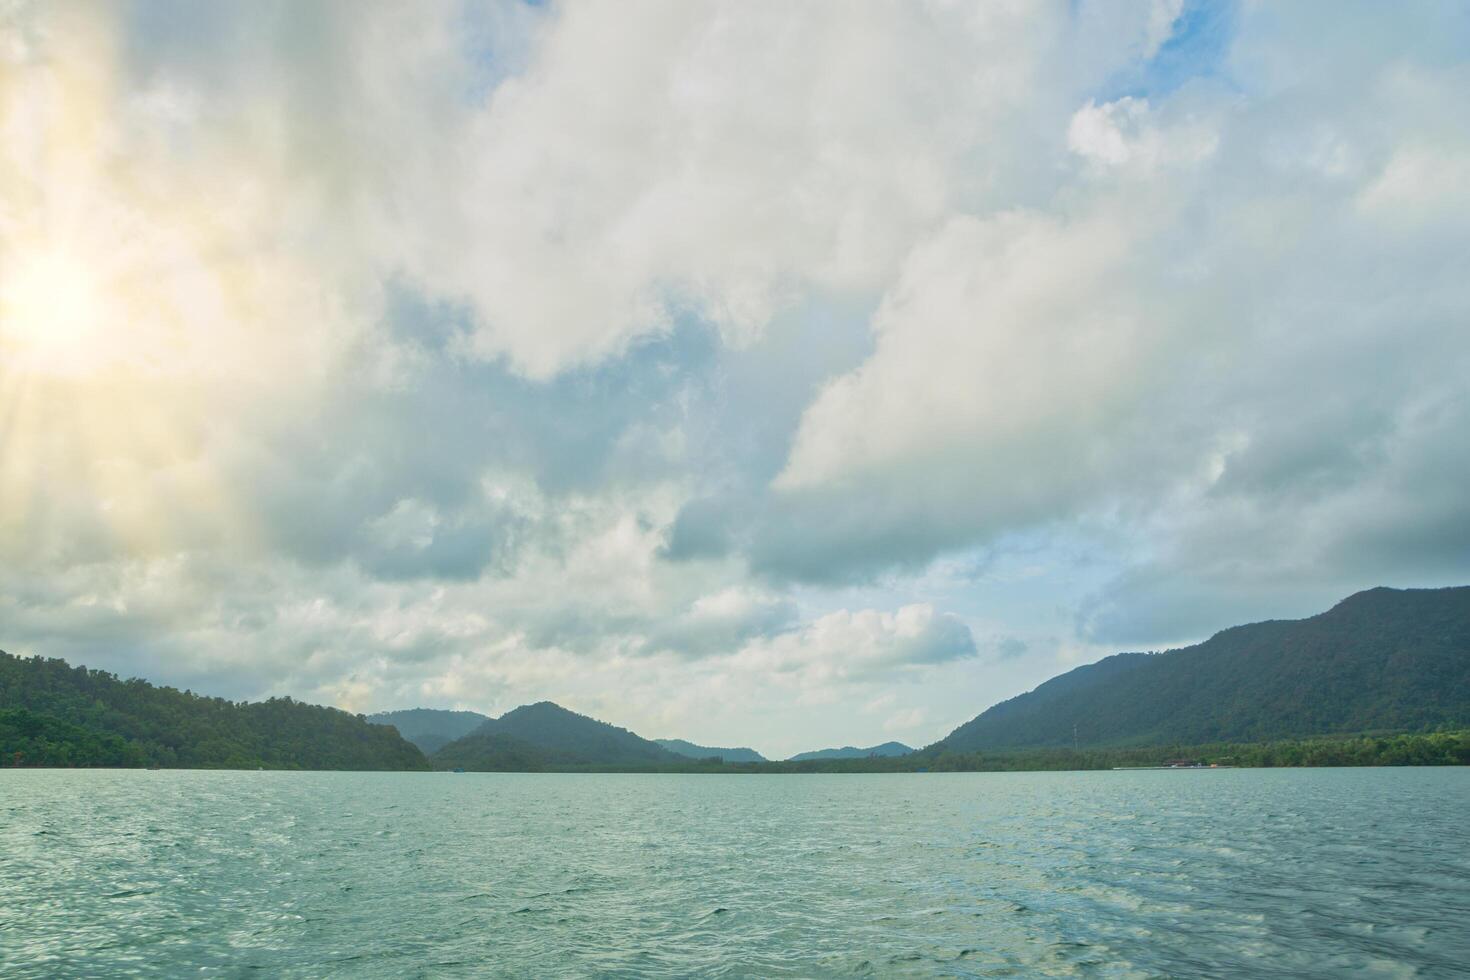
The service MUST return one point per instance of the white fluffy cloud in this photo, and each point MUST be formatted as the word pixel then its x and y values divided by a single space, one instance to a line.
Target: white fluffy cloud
pixel 722 159
pixel 1122 133
pixel 847 644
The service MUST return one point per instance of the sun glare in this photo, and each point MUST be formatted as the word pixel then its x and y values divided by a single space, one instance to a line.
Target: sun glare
pixel 50 313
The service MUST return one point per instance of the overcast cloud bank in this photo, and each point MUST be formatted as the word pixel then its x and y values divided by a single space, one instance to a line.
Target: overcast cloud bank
pixel 769 374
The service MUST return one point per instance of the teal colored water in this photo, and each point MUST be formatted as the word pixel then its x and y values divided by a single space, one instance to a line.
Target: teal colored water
pixel 1230 873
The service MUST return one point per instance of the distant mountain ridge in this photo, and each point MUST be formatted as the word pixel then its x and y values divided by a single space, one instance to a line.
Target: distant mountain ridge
pixel 691 751
pixel 546 735
pixel 1380 660
pixel 886 750
pixel 430 728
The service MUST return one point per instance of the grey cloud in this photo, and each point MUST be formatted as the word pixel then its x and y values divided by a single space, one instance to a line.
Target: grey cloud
pixel 703 528
pixel 847 538
pixel 322 488
pixel 1294 545
pixel 740 422
pixel 1010 647
pixel 457 551
pixel 712 628
pixel 948 638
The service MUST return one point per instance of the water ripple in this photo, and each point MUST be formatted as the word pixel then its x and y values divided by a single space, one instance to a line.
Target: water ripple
pixel 1320 873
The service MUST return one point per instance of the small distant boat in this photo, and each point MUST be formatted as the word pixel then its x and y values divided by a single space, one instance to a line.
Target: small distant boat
pixel 459 768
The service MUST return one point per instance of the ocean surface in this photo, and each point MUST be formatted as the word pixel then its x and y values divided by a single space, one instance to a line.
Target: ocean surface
pixel 1227 873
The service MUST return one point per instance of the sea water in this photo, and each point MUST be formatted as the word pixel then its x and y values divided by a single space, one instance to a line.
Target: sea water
pixel 1223 873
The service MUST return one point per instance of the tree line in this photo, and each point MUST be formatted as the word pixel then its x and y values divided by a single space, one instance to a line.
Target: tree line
pixel 54 714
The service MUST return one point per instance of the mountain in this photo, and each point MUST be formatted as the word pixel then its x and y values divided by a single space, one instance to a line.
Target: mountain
pixel 691 751
pixel 53 714
pixel 852 752
pixel 430 728
pixel 1384 660
pixel 546 735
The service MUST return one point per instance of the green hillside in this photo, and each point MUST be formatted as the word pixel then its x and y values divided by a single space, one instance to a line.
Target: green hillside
pixel 887 750
pixel 430 728
pixel 54 714
pixel 1384 660
pixel 546 735
pixel 691 751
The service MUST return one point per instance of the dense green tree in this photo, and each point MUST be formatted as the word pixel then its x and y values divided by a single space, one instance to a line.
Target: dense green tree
pixel 64 715
pixel 1449 748
pixel 29 739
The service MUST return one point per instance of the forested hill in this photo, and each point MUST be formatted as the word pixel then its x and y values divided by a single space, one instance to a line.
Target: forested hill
pixel 430 728
pixel 546 735
pixel 885 751
pixel 691 751
pixel 53 714
pixel 1385 660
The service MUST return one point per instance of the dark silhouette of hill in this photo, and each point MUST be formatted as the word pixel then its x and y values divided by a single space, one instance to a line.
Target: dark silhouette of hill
pixel 54 714
pixel 430 728
pixel 1384 660
pixel 884 751
pixel 691 751
pixel 549 735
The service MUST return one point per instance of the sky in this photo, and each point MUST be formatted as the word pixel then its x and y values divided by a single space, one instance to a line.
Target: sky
pixel 770 374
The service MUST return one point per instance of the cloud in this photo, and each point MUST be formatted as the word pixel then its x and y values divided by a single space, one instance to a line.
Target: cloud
pixel 997 366
pixel 723 621
pixel 635 167
pixel 1123 133
pixel 904 721
pixel 1010 647
pixel 1222 342
pixel 1420 184
pixel 733 360
pixel 845 644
